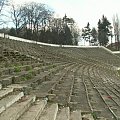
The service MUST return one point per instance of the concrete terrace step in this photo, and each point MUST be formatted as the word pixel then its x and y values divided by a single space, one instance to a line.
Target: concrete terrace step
pixel 102 118
pixel 7 80
pixel 87 116
pixel 40 93
pixel 76 115
pixel 63 114
pixel 45 86
pixel 5 92
pixel 0 86
pixel 36 79
pixel 49 112
pixel 9 100
pixel 16 110
pixel 14 69
pixel 17 86
pixel 15 77
pixel 37 70
pixel 35 111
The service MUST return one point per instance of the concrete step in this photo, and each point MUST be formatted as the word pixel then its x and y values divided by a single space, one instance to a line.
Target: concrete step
pixel 5 92
pixel 61 99
pixel 49 112
pixel 16 110
pixel 87 116
pixel 17 86
pixel 63 114
pixel 9 100
pixel 46 86
pixel 102 118
pixel 6 81
pixel 82 106
pixel 35 111
pixel 0 86
pixel 76 115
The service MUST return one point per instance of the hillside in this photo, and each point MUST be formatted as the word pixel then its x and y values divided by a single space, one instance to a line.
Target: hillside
pixel 43 82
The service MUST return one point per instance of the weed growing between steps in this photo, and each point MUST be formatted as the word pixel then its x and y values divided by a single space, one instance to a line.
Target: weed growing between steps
pixel 28 68
pixel 28 76
pixel 118 72
pixel 33 73
pixel 94 115
pixel 23 79
pixel 17 69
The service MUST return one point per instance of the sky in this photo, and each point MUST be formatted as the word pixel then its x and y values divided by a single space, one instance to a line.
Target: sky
pixel 82 11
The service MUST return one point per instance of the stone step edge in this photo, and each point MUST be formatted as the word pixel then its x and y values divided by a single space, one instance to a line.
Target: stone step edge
pixel 49 113
pixel 17 112
pixel 4 107
pixel 64 114
pixel 5 91
pixel 35 110
pixel 0 86
pixel 76 115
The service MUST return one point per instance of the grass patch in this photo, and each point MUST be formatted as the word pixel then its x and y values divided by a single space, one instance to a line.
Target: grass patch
pixel 32 73
pixel 17 69
pixel 51 66
pixel 54 65
pixel 29 75
pixel 28 68
pixel 23 79
pixel 94 115
pixel 118 72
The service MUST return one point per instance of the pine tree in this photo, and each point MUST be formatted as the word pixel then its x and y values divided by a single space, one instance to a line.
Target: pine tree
pixel 94 35
pixel 68 36
pixel 103 31
pixel 12 32
pixel 86 33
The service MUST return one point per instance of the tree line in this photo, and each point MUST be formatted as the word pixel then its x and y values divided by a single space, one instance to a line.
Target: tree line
pixel 36 21
pixel 99 35
pixel 103 34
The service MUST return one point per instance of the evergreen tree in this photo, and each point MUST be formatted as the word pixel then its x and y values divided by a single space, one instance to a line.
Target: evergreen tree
pixel 94 35
pixel 61 38
pixel 12 32
pixel 86 33
pixel 68 36
pixel 54 37
pixel 103 31
pixel 75 40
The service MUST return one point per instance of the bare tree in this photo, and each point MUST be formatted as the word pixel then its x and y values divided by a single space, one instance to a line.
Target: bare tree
pixel 16 16
pixel 36 16
pixel 2 4
pixel 116 25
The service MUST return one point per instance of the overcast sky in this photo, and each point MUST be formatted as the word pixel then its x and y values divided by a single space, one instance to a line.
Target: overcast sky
pixel 82 11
